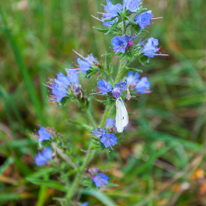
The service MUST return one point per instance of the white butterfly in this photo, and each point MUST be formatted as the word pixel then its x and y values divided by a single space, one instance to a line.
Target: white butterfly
pixel 121 115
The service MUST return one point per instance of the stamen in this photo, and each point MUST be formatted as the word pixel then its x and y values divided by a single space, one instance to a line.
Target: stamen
pixel 96 18
pixel 158 17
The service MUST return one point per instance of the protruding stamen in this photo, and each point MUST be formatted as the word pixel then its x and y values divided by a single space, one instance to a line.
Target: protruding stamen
pixel 158 17
pixel 78 54
pixel 96 18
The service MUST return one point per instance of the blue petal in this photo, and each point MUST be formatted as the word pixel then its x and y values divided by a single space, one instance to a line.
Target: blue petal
pixel 43 134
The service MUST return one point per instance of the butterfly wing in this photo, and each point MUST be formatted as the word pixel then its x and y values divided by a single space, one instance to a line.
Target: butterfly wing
pixel 125 119
pixel 119 116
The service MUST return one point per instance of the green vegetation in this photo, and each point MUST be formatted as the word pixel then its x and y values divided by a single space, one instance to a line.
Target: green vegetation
pixel 162 157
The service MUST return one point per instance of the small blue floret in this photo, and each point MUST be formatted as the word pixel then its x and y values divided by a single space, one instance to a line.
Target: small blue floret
pixel 144 19
pixel 43 134
pixel 42 158
pixel 109 140
pixel 150 47
pixel 101 179
pixel 132 5
pixel 104 86
pixel 142 86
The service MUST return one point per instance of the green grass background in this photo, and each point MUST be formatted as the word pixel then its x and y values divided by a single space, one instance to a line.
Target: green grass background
pixel 165 142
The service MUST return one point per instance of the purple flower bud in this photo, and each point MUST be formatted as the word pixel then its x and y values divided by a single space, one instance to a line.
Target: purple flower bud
pixel 109 140
pixel 101 179
pixel 116 92
pixel 43 134
pixel 150 47
pixel 112 11
pixel 132 5
pixel 104 86
pixel 42 158
pixel 144 19
pixel 132 79
pixel 142 85
pixel 99 132
pixel 119 44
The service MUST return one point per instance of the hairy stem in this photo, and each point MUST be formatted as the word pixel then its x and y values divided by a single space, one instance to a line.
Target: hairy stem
pixel 88 157
pixel 91 118
pixel 121 69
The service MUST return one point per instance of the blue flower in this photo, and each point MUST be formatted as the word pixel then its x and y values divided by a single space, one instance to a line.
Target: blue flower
pixel 62 80
pixel 61 84
pixel 58 92
pixel 119 44
pixel 72 76
pixel 87 63
pixel 112 11
pixel 99 132
pixel 110 123
pixel 100 179
pixel 132 79
pixel 121 86
pixel 84 204
pixel 43 134
pixel 42 158
pixel 104 86
pixel 142 86
pixel 150 47
pixel 144 19
pixel 108 140
pixel 132 5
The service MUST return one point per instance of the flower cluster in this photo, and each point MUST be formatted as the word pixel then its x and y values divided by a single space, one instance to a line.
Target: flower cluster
pixel 106 88
pixel 127 23
pixel 63 85
pixel 86 63
pixel 108 139
pixel 121 44
pixel 44 156
pixel 141 86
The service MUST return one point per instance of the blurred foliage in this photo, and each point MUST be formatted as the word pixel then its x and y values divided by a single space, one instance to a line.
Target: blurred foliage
pixel 161 160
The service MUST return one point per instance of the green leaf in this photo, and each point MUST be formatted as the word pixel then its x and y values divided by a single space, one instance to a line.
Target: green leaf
pixel 101 30
pixel 134 69
pixel 112 28
pixel 81 124
pixel 48 183
pixel 100 196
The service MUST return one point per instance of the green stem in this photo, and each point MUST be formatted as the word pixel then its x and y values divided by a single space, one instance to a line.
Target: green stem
pixel 121 69
pixel 88 157
pixel 91 118
pixel 90 154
